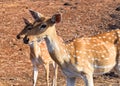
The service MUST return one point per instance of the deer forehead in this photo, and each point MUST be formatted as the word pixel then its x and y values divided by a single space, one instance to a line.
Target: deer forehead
pixel 44 20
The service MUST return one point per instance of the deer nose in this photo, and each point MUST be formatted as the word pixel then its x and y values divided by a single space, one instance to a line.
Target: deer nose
pixel 25 40
pixel 18 36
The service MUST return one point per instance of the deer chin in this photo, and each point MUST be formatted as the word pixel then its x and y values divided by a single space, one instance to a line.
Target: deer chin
pixel 31 43
pixel 38 40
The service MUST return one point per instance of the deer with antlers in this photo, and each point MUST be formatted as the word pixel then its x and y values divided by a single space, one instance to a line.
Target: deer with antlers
pixel 83 57
pixel 39 55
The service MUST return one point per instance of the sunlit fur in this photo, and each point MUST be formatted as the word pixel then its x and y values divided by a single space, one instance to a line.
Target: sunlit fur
pixel 82 57
pixel 39 56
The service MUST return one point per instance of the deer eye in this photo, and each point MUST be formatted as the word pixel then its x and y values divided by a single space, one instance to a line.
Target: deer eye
pixel 29 27
pixel 43 26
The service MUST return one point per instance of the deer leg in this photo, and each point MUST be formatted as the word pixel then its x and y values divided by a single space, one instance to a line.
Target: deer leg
pixel 71 81
pixel 47 73
pixel 35 74
pixel 117 66
pixel 117 69
pixel 88 79
pixel 55 74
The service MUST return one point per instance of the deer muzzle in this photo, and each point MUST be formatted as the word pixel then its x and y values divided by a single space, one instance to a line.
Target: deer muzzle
pixel 26 40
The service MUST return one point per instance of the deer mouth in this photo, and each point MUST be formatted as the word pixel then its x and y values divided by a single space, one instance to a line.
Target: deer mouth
pixel 26 40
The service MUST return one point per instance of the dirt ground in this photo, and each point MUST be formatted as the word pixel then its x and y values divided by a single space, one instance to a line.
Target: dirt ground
pixel 79 18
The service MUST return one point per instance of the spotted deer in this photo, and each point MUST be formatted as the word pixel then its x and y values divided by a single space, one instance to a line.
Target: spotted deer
pixel 82 57
pixel 39 55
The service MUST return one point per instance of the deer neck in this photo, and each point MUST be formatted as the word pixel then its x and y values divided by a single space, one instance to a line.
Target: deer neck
pixel 35 50
pixel 56 48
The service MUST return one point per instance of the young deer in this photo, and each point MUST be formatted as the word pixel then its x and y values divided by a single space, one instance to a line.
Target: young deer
pixel 82 57
pixel 39 55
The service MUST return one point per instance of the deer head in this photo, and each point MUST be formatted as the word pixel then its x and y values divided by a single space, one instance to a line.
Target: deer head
pixel 27 27
pixel 40 26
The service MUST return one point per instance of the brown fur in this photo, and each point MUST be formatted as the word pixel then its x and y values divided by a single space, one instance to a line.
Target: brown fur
pixel 82 57
pixel 42 56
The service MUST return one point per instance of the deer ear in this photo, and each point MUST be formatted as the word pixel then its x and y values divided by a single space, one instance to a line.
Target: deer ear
pixel 26 21
pixel 56 18
pixel 35 15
